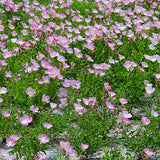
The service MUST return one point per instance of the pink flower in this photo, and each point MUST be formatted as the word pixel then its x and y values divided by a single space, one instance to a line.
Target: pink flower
pixel 76 84
pixel 111 94
pixel 144 64
pixel 6 114
pixel 30 91
pixel 105 66
pixel 53 105
pixel 14 33
pixel 154 113
pixel 109 105
pixel 65 65
pixel 1 100
pixel 67 83
pixel 8 74
pixel 53 72
pixel 148 152
pixel 139 67
pixel 3 153
pixel 79 109
pixel 151 58
pixel 63 92
pixel 43 138
pixel 45 98
pixel 119 43
pixel 47 125
pixel 25 120
pixel 12 140
pixel 107 86
pixel 129 65
pixel 86 101
pixel 157 76
pixel 34 109
pixel 71 153
pixel 73 64
pixel 126 114
pixel 45 64
pixel 1 27
pixel 40 56
pixel 149 89
pixel 65 145
pixel 3 90
pixel 126 120
pixel 61 58
pixel 89 58
pixel 64 102
pixel 111 45
pixel 46 79
pixel 84 146
pixel 89 46
pixel 123 101
pixel 15 137
pixel 121 57
pixel 145 121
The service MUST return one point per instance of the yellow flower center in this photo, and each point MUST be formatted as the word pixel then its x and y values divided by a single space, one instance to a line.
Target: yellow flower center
pixel 24 121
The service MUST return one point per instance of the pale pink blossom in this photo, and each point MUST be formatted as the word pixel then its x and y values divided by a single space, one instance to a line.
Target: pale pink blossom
pixel 65 145
pixel 148 152
pixel 111 45
pixel 71 153
pixel 34 109
pixel 89 58
pixel 47 125
pixel 3 153
pixel 129 65
pixel 145 120
pixel 3 90
pixel 157 76
pixel 6 114
pixel 53 105
pixel 25 120
pixel 15 137
pixel 67 83
pixel 43 138
pixel 109 105
pixel 45 98
pixel 111 94
pixel 123 101
pixel 126 120
pixel 10 142
pixel 126 114
pixel 63 92
pixel 154 113
pixel 1 100
pixel 79 109
pixel 149 89
pixel 151 58
pixel 64 102
pixel 107 86
pixel 121 57
pixel 144 64
pixel 30 91
pixel 84 146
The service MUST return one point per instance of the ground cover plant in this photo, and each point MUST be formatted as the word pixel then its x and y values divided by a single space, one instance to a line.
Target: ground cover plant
pixel 80 73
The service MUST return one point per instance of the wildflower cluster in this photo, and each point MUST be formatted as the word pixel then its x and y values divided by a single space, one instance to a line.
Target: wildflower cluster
pixel 76 71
